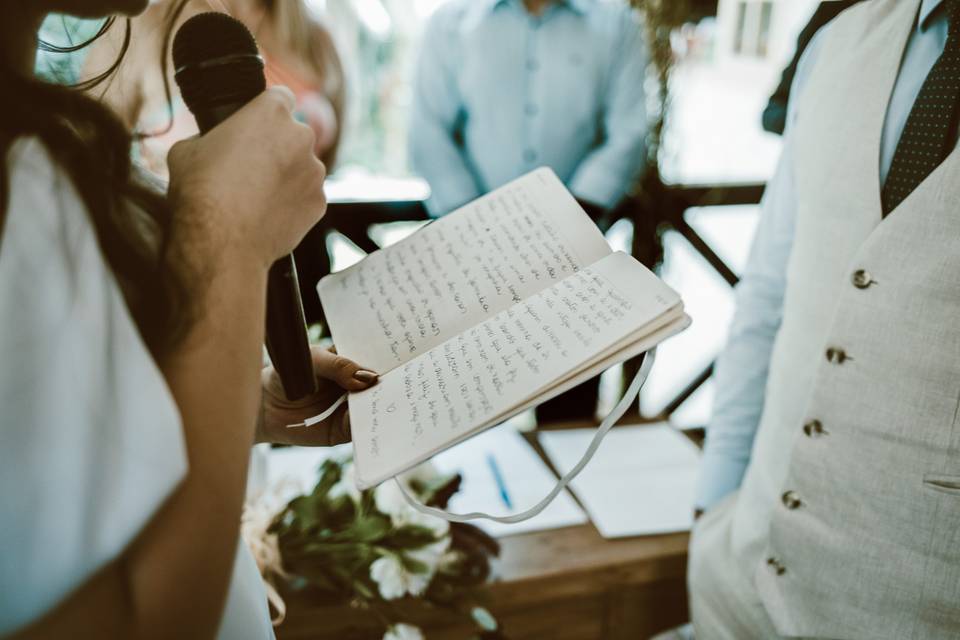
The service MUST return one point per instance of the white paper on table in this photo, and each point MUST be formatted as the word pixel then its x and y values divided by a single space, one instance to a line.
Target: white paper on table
pixel 524 474
pixel 640 482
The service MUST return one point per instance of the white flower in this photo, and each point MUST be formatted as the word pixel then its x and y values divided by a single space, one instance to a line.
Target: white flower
pixel 389 499
pixel 412 517
pixel 394 580
pixel 403 632
pixel 388 573
pixel 347 485
pixel 424 473
pixel 391 502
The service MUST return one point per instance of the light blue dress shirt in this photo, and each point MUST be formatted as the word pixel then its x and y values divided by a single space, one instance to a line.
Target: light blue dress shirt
pixel 741 373
pixel 500 92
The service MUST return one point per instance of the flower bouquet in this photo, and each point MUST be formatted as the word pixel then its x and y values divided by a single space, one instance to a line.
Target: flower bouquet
pixel 373 550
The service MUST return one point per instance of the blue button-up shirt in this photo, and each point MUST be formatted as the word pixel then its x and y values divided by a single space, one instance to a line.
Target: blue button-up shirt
pixel 499 92
pixel 741 372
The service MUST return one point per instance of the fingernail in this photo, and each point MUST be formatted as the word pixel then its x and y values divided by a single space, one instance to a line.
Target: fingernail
pixel 366 376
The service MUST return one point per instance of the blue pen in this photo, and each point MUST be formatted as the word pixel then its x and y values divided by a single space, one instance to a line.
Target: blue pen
pixel 498 478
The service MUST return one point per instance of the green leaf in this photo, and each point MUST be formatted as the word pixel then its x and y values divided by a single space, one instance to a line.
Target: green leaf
pixel 304 513
pixel 413 566
pixel 370 528
pixel 334 549
pixel 368 504
pixel 410 538
pixel 330 474
pixel 365 590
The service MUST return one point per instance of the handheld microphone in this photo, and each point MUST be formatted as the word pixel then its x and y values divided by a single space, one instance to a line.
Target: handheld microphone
pixel 219 69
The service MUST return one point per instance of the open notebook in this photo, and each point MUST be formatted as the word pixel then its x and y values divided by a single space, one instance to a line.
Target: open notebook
pixel 497 307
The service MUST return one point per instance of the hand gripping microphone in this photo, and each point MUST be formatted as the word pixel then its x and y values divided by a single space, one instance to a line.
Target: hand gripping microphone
pixel 219 69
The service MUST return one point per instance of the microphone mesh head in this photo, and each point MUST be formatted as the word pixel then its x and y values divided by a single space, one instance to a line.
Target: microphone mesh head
pixel 216 61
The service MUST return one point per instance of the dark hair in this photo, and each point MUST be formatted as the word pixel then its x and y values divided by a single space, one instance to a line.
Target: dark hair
pixel 92 145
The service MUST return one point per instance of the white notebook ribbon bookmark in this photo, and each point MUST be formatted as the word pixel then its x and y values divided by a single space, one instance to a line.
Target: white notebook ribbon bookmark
pixel 628 398
pixel 317 419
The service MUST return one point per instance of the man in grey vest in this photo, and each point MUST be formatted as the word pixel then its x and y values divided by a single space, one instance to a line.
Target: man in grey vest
pixel 831 477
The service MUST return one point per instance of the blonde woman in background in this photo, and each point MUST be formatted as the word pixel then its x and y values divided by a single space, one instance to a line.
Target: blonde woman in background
pixel 299 53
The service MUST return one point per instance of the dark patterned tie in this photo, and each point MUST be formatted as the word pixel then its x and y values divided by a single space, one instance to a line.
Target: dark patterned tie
pixel 931 128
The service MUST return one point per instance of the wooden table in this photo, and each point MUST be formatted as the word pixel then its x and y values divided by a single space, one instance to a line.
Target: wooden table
pixel 563 584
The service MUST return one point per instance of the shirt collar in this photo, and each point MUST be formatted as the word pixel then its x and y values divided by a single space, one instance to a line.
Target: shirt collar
pixel 579 6
pixel 927 8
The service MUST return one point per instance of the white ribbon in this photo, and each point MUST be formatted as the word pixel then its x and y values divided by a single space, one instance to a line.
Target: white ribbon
pixel 612 418
pixel 317 419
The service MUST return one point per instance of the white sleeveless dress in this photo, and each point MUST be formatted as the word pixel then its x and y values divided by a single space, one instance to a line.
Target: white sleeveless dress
pixel 90 437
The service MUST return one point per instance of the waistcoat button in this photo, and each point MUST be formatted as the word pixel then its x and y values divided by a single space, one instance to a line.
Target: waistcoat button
pixel 861 279
pixel 814 428
pixel 791 500
pixel 837 355
pixel 776 565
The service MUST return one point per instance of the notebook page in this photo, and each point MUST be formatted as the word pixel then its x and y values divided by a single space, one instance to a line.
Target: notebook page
pixel 458 271
pixel 674 325
pixel 446 394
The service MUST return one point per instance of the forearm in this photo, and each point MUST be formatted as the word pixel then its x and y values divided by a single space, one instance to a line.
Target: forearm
pixel 181 566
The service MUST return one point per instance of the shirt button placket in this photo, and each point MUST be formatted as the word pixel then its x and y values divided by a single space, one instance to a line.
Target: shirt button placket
pixel 530 108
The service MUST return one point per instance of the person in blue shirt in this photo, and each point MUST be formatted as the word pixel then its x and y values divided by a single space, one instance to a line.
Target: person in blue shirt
pixel 505 86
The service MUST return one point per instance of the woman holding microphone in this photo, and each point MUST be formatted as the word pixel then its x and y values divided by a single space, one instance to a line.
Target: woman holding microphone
pixel 132 327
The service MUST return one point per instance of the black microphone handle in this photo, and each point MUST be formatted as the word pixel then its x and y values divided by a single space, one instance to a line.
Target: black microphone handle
pixel 286 335
pixel 287 341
